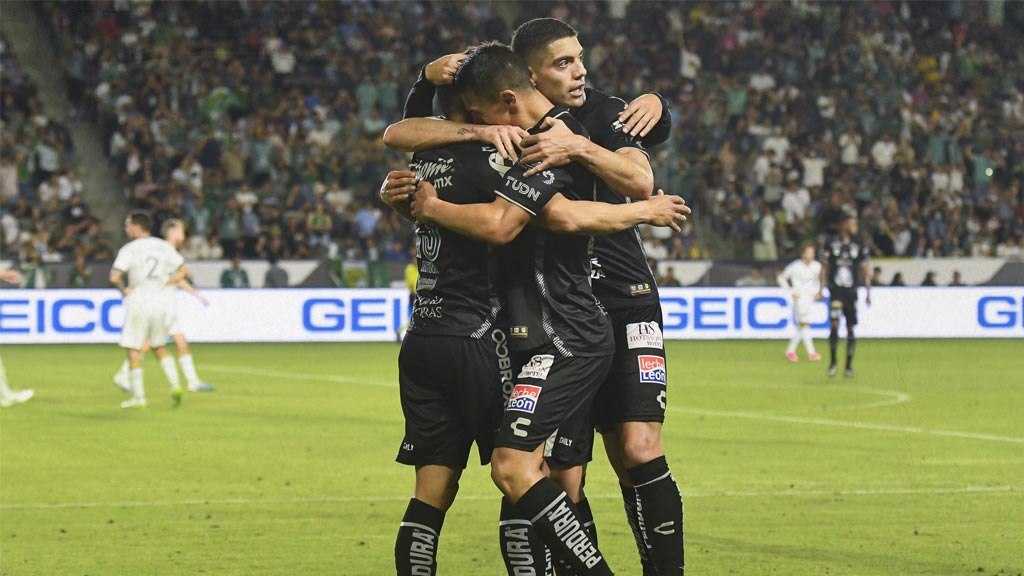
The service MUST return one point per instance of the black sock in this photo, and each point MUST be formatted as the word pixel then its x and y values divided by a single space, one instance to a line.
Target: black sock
pixel 660 515
pixel 833 343
pixel 629 503
pixel 556 520
pixel 522 550
pixel 416 545
pixel 851 346
pixel 562 565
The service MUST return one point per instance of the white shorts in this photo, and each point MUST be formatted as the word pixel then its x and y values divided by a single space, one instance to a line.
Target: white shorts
pixel 173 326
pixel 145 321
pixel 802 307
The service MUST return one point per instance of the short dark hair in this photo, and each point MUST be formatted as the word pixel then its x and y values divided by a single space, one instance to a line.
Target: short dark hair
pixel 489 69
pixel 142 219
pixel 536 34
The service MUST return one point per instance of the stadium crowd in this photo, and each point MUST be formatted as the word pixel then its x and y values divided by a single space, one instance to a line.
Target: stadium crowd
pixel 259 123
pixel 43 218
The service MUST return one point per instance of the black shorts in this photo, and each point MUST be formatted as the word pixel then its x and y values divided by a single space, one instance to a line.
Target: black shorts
pixel 635 390
pixel 843 302
pixel 549 391
pixel 450 388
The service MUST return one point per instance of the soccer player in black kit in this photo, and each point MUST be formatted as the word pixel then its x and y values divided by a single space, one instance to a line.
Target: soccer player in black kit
pixel 635 392
pixel 845 268
pixel 447 361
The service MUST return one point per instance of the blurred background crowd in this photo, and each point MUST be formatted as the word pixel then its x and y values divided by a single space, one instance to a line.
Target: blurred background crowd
pixel 260 123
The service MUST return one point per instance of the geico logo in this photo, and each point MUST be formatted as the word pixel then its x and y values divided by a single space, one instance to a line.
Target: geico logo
pixel 63 316
pixel 729 312
pixel 1000 312
pixel 523 188
pixel 355 314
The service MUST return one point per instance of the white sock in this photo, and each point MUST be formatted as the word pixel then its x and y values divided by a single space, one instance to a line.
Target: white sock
pixel 137 389
pixel 794 341
pixel 188 368
pixel 171 371
pixel 123 372
pixel 805 331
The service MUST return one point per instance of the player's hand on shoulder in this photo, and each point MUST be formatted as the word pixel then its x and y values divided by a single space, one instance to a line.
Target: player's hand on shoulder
pixel 127 291
pixel 505 139
pixel 424 194
pixel 554 146
pixel 641 115
pixel 441 72
pixel 667 210
pixel 397 187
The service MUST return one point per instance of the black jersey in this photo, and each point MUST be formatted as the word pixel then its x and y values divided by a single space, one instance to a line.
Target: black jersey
pixel 845 261
pixel 456 294
pixel 546 275
pixel 621 275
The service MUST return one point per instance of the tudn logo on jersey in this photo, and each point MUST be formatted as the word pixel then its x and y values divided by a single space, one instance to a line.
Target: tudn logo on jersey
pixel 426 170
pixel 524 398
pixel 513 183
pixel 652 370
pixel 644 335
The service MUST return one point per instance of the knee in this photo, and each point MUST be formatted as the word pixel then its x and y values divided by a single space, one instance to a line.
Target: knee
pixel 503 471
pixel 641 443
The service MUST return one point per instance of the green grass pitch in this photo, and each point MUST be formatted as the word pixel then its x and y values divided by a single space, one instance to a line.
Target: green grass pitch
pixel 915 466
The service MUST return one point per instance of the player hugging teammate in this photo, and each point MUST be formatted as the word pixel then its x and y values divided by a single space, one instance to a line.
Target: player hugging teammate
pixel 582 311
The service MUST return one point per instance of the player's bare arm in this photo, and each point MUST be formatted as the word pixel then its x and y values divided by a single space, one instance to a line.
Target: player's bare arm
pixel 395 191
pixel 497 222
pixel 187 286
pixel 641 115
pixel 441 72
pixel 418 134
pixel 10 276
pixel 627 171
pixel 117 281
pixel 864 273
pixel 178 276
pixel 599 218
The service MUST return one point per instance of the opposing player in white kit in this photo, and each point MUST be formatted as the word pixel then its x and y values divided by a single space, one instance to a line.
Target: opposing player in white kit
pixel 10 397
pixel 803 278
pixel 173 231
pixel 152 266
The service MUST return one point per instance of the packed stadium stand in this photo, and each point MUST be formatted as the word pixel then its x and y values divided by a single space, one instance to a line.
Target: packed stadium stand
pixel 260 123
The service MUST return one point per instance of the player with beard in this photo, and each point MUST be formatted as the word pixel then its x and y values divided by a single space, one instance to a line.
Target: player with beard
pixel 846 268
pixel 455 308
pixel 631 405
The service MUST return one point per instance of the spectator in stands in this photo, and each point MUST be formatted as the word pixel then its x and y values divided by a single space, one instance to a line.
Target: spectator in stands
pixel 754 279
pixel 81 275
pixel 234 276
pixel 897 280
pixel 275 277
pixel 956 281
pixel 929 279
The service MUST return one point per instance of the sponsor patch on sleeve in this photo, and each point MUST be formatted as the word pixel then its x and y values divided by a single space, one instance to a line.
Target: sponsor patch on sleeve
pixel 524 398
pixel 652 370
pixel 644 335
pixel 538 367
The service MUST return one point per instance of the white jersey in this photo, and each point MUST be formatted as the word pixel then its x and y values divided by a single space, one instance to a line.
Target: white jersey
pixel 804 279
pixel 149 263
pixel 149 309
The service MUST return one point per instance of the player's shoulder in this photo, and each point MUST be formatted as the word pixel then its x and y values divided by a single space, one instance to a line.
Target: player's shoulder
pixel 565 115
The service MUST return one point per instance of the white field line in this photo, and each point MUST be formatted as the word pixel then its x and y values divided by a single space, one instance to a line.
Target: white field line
pixel 845 424
pixel 896 398
pixel 484 497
